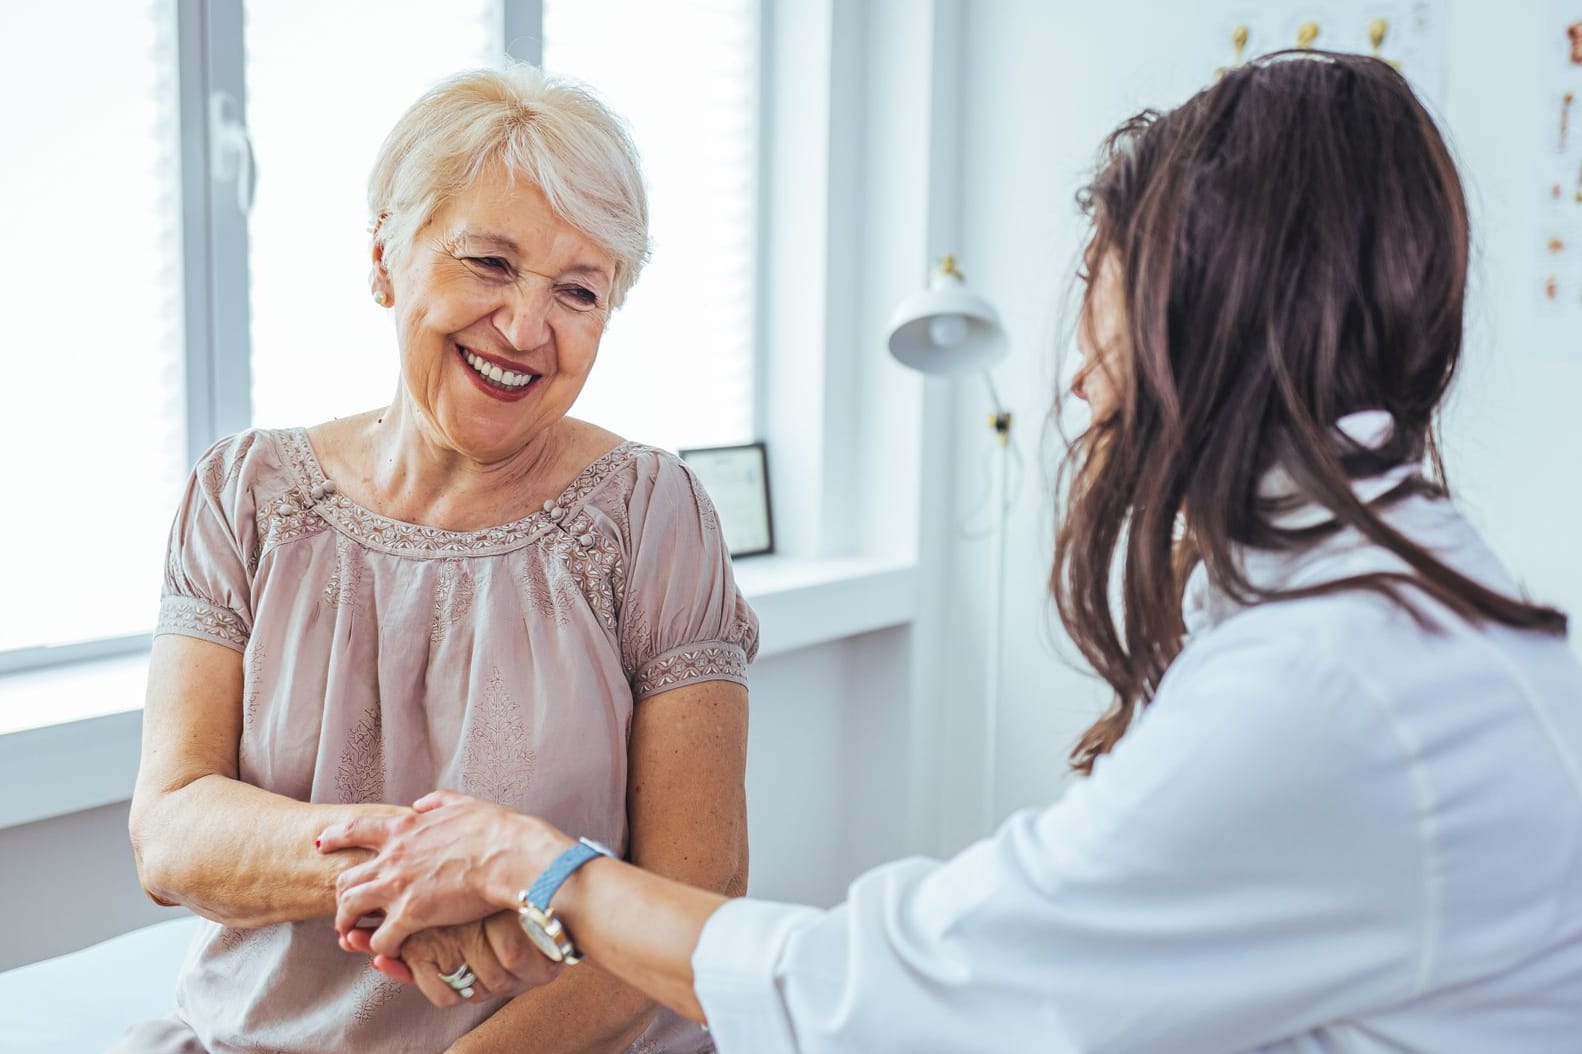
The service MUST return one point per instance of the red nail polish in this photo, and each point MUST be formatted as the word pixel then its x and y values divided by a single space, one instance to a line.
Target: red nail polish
pixel 315 843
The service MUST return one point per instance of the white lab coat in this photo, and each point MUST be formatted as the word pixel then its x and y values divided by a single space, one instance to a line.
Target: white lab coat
pixel 1332 831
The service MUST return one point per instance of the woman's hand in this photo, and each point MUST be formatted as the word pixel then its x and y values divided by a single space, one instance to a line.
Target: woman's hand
pixel 452 860
pixel 443 950
pixel 495 949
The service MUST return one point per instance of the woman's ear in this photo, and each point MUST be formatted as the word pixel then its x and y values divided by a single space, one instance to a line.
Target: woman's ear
pixel 376 244
pixel 379 275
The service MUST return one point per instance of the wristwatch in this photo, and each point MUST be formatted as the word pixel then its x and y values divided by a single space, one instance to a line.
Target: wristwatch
pixel 538 922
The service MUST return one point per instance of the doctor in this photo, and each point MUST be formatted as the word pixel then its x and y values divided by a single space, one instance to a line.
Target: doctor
pixel 1337 804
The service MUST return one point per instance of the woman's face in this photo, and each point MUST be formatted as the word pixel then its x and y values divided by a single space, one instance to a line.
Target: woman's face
pixel 499 308
pixel 1101 336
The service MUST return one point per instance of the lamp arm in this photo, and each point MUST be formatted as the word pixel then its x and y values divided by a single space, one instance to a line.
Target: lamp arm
pixel 994 394
pixel 1000 420
pixel 994 657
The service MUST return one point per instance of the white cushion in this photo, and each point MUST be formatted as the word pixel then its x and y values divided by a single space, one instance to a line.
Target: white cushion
pixel 83 1001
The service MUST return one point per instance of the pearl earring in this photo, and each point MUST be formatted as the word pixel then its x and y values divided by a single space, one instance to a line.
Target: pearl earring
pixel 381 298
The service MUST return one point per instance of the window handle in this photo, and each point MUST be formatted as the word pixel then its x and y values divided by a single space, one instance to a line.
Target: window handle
pixel 231 154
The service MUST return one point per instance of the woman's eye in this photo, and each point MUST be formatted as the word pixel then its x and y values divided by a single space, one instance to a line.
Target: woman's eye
pixel 580 296
pixel 489 263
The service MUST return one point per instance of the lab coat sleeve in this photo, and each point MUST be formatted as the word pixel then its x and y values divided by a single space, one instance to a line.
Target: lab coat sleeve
pixel 1251 862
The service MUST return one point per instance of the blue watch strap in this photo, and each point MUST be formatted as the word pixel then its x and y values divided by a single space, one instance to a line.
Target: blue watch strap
pixel 561 868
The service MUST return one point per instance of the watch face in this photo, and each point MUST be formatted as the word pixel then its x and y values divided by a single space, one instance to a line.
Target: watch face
pixel 539 935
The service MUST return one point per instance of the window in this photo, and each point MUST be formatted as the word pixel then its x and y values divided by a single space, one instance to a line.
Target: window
pixel 165 298
pixel 92 415
pixel 676 364
pixel 320 347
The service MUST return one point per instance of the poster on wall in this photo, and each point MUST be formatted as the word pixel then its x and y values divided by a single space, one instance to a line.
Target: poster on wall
pixel 1408 34
pixel 1557 286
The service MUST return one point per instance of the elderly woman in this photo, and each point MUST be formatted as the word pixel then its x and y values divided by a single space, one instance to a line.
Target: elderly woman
pixel 465 588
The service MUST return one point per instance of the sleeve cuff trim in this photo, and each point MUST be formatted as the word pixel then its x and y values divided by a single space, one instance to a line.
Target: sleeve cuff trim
pixel 691 664
pixel 192 617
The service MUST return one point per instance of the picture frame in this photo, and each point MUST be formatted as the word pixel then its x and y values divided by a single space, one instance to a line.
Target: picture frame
pixel 736 478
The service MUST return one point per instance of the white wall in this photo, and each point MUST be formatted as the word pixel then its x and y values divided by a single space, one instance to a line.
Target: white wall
pixel 826 766
pixel 1514 432
pixel 1044 82
pixel 69 882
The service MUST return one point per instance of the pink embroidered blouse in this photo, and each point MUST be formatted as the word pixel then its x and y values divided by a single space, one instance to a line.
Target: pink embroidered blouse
pixel 384 659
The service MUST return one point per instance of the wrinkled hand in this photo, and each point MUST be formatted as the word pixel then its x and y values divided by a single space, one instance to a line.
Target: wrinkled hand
pixel 499 954
pixel 452 860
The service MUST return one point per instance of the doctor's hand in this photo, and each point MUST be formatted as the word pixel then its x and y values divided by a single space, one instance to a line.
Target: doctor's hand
pixel 502 960
pixel 451 860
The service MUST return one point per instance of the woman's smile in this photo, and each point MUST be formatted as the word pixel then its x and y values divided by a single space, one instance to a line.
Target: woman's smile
pixel 495 377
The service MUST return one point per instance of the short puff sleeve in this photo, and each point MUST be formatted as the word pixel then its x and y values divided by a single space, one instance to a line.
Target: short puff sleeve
pixel 207 591
pixel 683 621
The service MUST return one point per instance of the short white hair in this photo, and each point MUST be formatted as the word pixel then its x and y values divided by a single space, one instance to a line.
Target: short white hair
pixel 553 132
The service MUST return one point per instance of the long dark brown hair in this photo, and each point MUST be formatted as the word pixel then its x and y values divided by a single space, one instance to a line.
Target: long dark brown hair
pixel 1293 247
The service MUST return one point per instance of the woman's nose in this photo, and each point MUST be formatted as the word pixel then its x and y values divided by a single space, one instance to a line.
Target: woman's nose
pixel 1077 370
pixel 524 318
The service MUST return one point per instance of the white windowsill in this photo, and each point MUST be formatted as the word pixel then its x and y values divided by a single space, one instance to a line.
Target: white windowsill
pixel 69 736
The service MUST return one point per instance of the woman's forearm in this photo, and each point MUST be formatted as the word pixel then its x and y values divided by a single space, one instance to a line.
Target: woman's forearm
pixel 640 927
pixel 240 855
pixel 584 1011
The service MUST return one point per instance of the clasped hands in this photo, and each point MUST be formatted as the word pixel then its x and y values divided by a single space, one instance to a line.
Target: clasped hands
pixel 443 882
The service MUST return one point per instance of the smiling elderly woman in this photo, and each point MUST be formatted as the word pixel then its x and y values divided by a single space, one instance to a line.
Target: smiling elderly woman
pixel 466 588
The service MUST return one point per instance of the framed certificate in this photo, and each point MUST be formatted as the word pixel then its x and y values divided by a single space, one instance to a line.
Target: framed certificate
pixel 737 479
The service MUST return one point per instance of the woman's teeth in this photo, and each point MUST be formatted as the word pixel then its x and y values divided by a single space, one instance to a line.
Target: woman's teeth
pixel 503 378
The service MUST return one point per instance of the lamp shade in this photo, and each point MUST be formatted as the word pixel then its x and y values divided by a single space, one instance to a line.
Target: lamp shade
pixel 945 329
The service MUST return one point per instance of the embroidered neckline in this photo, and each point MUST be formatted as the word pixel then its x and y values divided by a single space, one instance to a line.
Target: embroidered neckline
pixel 381 532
